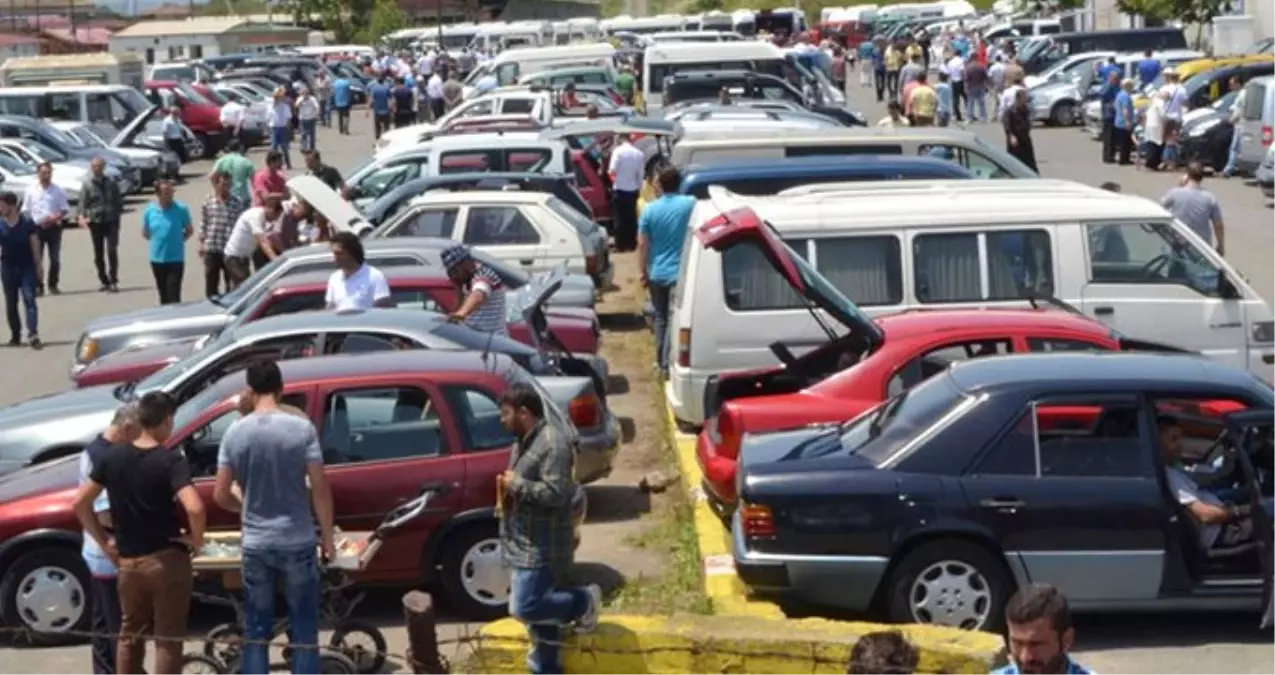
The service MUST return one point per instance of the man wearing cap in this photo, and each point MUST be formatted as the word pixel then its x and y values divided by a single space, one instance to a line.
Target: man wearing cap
pixel 19 268
pixel 479 289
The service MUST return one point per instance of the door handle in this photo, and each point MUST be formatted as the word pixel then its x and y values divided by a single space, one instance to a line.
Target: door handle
pixel 1003 503
pixel 526 262
pixel 356 438
pixel 1104 310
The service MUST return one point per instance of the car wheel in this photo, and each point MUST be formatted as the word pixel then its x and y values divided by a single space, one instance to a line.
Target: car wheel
pixel 472 573
pixel 46 592
pixel 199 146
pixel 1063 114
pixel 950 582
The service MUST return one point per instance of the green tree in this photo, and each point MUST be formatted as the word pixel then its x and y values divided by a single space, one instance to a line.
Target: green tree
pixel 385 17
pixel 700 6
pixel 1198 12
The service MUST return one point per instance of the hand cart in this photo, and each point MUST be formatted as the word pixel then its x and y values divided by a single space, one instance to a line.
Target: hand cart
pixel 355 646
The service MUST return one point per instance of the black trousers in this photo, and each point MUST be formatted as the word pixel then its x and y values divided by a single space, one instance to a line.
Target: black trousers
pixel 214 271
pixel 878 78
pixel 404 119
pixel 178 146
pixel 439 107
pixel 381 123
pixel 106 251
pixel 1108 141
pixel 168 281
pixel 1124 145
pixel 892 84
pixel 958 99
pixel 624 219
pixel 106 621
pixel 51 244
pixel 343 119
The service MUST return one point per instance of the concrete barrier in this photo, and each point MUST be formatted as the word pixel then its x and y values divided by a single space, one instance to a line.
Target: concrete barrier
pixel 728 644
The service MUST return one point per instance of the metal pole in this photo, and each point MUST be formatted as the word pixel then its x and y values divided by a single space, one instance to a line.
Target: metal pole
pixel 438 12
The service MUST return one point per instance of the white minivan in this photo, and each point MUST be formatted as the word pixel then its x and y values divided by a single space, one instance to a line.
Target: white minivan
pixel 664 59
pixel 1256 121
pixel 888 247
pixel 512 64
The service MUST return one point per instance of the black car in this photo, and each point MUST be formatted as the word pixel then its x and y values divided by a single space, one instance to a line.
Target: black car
pixel 1204 88
pixel 1062 468
pixel 747 84
pixel 560 185
pixel 1206 135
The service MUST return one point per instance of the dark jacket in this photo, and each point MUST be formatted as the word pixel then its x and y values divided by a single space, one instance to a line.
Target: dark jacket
pixel 100 200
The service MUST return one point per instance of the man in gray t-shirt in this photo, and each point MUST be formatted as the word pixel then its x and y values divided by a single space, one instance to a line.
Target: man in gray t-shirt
pixel 271 453
pixel 1196 207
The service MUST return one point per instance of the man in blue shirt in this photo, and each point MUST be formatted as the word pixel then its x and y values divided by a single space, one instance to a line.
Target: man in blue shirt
pixel 1125 118
pixel 379 97
pixel 1149 68
pixel 342 99
pixel 1105 70
pixel 19 268
pixel 1110 88
pixel 661 232
pixel 1039 633
pixel 878 70
pixel 124 429
pixel 166 225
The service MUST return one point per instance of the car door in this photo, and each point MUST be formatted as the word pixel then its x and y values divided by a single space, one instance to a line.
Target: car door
pixel 505 232
pixel 590 186
pixel 1253 428
pixel 1143 274
pixel 1077 508
pixel 382 440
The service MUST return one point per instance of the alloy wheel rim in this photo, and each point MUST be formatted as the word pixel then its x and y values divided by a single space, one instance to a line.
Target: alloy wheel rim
pixel 951 593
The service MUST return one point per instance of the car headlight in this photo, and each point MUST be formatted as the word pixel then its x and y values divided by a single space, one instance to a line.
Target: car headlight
pixel 87 351
pixel 1264 331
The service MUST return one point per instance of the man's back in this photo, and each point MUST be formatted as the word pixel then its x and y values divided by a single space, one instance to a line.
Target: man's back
pixel 1196 207
pixel 664 224
pixel 269 454
pixel 143 484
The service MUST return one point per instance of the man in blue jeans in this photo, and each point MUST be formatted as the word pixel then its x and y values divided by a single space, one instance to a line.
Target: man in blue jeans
pixel 661 231
pixel 20 273
pixel 271 453
pixel 537 535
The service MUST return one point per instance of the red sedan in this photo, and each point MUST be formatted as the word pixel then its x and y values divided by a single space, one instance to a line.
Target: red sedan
pixel 419 288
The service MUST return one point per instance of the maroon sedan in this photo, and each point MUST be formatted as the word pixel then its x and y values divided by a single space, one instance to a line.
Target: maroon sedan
pixel 411 288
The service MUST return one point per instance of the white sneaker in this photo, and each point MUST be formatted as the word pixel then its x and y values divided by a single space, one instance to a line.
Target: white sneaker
pixel 588 622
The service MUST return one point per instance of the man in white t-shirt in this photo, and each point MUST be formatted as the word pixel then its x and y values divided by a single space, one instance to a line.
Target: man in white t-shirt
pixel 232 117
pixel 627 171
pixel 1220 525
pixel 355 285
pixel 249 233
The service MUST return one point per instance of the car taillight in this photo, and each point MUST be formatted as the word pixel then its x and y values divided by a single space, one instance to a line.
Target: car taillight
pixel 585 411
pixel 757 520
pixel 1267 136
pixel 730 431
pixel 684 347
pixel 591 264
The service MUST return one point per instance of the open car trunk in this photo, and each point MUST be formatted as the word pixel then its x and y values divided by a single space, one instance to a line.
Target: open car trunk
pixel 546 343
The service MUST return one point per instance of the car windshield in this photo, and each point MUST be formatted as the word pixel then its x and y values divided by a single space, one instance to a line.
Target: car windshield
pixel 583 225
pixel 87 137
pixel 189 93
pixel 880 433
pixel 45 152
pixel 15 166
pixel 212 95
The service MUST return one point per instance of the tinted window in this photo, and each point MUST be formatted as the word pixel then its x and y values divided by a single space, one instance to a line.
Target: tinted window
pixel 937 360
pixel 428 223
pixel 1148 253
pixel 1083 437
pixel 479 109
pixel 868 270
pixel 1254 100
pixel 517 106
pixel 1019 263
pixel 888 428
pixel 367 425
pixel 660 71
pixel 751 282
pixel 499 225
pixel 1014 453
pixel 478 417
pixel 819 150
pixel 202 446
pixel 365 343
pixel 948 267
pixel 385 179
pixel 291 304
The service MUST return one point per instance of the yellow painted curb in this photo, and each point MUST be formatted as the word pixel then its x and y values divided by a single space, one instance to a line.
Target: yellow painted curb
pixel 729 644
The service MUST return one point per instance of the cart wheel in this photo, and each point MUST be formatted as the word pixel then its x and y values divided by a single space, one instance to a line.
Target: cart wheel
pixel 202 663
pixel 362 642
pixel 224 643
pixel 335 663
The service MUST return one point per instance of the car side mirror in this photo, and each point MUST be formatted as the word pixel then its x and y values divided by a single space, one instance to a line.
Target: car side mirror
pixel 1227 288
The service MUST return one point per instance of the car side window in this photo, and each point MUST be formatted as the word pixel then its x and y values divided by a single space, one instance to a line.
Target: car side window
pixel 478 109
pixel 477 414
pixel 507 74
pixel 517 106
pixel 951 267
pixel 937 360
pixel 1148 253
pixel 291 304
pixel 379 424
pixel 202 446
pixel 413 299
pixel 1081 437
pixel 1062 345
pixel 499 225
pixel 365 343
pixel 751 283
pixel 429 223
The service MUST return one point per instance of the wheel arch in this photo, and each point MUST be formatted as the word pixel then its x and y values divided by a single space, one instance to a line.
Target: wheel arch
pixel 457 523
pixel 968 533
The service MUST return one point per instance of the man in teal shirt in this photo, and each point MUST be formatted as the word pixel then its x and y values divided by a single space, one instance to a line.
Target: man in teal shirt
pixel 661 231
pixel 239 168
pixel 166 225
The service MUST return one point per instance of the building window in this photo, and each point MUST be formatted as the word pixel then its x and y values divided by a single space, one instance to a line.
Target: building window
pixel 196 51
pixel 150 56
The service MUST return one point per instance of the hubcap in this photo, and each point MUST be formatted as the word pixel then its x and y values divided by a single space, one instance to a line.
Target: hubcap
pixel 483 573
pixel 1065 115
pixel 50 599
pixel 951 593
pixel 197 148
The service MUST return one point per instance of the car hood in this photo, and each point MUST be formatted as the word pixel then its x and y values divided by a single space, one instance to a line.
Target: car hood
pixel 55 475
pixel 153 317
pixel 532 301
pixel 327 202
pixel 576 291
pixel 738 223
pixel 129 133
pixel 1052 90
pixel 132 363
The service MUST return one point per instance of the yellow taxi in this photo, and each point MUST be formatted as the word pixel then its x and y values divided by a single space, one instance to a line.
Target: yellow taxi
pixel 1216 88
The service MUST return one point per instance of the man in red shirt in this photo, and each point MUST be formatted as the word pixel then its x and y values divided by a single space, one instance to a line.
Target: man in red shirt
pixel 270 180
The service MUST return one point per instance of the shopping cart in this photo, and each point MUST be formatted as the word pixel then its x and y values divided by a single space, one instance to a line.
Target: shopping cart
pixel 355 646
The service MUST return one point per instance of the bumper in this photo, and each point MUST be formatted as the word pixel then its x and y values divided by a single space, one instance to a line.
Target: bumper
pixel 596 451
pixel 848 582
pixel 685 393
pixel 719 470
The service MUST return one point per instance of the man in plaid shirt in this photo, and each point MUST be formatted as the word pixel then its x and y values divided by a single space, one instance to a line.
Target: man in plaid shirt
pixel 534 497
pixel 221 210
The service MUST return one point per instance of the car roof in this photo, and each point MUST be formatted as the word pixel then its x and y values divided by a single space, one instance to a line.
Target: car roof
pixel 728 137
pixel 319 279
pixel 481 197
pixel 817 166
pixel 371 319
pixel 1098 372
pixel 485 140
pixel 932 321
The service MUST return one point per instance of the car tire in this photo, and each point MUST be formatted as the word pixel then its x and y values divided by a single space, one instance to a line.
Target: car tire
pixel 978 584
pixel 462 552
pixel 64 570
pixel 1063 114
pixel 201 148
pixel 364 661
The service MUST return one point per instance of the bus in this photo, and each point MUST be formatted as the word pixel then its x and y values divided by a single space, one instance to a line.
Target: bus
pixel 95 68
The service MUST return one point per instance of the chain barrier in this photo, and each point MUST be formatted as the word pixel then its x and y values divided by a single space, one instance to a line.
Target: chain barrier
pixel 473 641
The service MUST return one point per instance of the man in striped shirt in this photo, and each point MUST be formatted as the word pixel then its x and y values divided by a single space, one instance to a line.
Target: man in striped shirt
pixel 481 292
